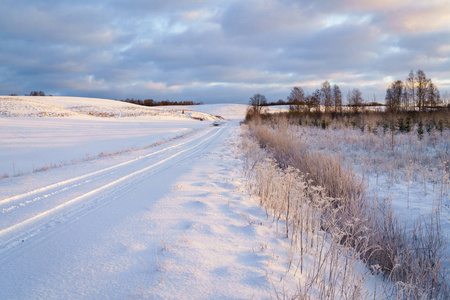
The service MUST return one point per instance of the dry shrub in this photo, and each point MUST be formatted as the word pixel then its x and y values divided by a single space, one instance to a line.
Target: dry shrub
pixel 327 268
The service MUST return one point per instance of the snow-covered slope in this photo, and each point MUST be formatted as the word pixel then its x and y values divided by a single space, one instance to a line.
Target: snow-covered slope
pixel 18 107
pixel 49 106
pixel 39 133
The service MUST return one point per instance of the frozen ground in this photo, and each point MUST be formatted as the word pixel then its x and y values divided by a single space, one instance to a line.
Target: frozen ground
pixel 153 216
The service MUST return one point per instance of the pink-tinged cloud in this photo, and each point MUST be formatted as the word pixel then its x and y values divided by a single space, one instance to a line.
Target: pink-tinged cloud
pixel 215 51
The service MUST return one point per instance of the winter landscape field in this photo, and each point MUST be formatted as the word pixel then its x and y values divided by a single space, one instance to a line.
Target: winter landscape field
pixel 147 203
pixel 257 149
pixel 102 199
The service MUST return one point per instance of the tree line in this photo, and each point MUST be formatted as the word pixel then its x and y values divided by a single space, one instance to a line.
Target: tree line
pixel 417 91
pixel 151 102
pixel 32 93
pixel 327 96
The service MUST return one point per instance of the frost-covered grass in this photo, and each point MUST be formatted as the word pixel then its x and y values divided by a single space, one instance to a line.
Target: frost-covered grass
pixel 341 161
pixel 327 268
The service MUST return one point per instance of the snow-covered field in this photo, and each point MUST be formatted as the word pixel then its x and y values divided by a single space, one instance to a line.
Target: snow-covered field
pixel 41 132
pixel 415 179
pixel 101 199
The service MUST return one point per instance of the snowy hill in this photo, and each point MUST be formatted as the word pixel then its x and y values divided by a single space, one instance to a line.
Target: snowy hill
pixel 43 132
pixel 77 107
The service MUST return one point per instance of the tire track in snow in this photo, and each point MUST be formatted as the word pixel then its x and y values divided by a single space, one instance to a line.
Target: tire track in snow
pixel 65 183
pixel 13 235
pixel 21 206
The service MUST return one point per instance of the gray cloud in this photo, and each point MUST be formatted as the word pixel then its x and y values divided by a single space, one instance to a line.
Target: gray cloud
pixel 218 50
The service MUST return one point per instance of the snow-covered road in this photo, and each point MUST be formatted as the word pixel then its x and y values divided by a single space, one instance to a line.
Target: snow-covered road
pixel 25 215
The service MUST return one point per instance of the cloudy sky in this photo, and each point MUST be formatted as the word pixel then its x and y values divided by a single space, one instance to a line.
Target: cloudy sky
pixel 219 51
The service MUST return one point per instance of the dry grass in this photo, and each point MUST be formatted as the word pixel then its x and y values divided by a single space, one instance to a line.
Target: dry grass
pixel 314 191
pixel 298 209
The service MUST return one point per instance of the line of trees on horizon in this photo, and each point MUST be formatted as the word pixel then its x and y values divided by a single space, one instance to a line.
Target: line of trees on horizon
pixel 151 102
pixel 329 97
pixel 418 91
pixel 32 93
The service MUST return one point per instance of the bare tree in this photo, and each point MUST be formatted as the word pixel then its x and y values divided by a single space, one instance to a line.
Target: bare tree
pixel 421 88
pixel 326 96
pixel 337 98
pixel 257 102
pixel 349 97
pixel 309 103
pixel 433 98
pixel 315 99
pixel 410 94
pixel 296 98
pixel 445 100
pixel 394 95
pixel 355 100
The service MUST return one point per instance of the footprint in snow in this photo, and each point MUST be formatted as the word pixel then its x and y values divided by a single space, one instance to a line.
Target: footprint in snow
pixel 221 271
pixel 255 279
pixel 186 225
pixel 248 230
pixel 252 259
pixel 196 204
pixel 183 225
